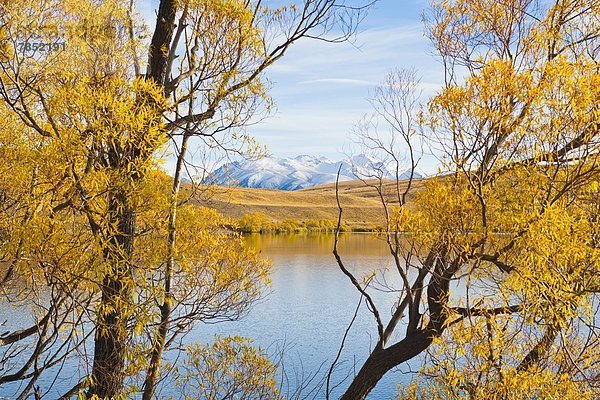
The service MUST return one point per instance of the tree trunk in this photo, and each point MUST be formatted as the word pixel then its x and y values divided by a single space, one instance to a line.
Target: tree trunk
pixel 111 325
pixel 381 361
pixel 161 40
pixel 540 349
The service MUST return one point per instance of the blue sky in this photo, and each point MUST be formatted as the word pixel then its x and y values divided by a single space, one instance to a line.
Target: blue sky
pixel 320 89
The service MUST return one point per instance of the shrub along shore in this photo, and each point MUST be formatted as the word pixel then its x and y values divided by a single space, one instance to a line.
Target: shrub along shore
pixel 261 223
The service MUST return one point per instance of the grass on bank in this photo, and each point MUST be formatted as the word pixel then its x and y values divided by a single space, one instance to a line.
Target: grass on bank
pixel 311 209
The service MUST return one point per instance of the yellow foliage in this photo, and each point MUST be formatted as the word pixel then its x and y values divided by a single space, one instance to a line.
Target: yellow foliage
pixel 229 368
pixel 518 213
pixel 86 209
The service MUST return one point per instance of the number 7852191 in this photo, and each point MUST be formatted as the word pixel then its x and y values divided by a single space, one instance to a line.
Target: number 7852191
pixel 40 46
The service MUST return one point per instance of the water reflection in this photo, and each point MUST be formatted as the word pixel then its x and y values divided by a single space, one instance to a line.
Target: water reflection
pixel 350 244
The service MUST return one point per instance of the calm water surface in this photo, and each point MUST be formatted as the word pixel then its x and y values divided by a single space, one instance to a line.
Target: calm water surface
pixel 306 310
pixel 310 304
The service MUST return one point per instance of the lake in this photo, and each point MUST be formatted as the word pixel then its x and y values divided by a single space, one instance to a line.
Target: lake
pixel 306 310
pixel 310 304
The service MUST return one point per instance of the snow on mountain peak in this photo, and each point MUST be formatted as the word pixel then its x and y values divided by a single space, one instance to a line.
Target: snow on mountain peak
pixel 299 172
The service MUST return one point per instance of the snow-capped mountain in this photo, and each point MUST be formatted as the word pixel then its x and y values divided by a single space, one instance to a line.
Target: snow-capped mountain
pixel 299 172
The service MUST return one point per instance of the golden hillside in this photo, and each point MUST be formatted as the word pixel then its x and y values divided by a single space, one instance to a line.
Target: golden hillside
pixel 361 204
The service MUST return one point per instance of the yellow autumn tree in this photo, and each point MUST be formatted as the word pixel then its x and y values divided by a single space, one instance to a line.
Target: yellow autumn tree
pixel 499 268
pixel 95 240
pixel 231 368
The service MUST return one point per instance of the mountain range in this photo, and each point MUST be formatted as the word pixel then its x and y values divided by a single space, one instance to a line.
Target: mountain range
pixel 300 172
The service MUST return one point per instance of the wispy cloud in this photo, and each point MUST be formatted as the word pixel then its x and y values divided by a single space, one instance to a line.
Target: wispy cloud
pixel 372 51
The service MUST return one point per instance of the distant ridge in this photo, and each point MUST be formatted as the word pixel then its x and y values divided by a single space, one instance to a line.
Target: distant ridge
pixel 361 202
pixel 300 172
